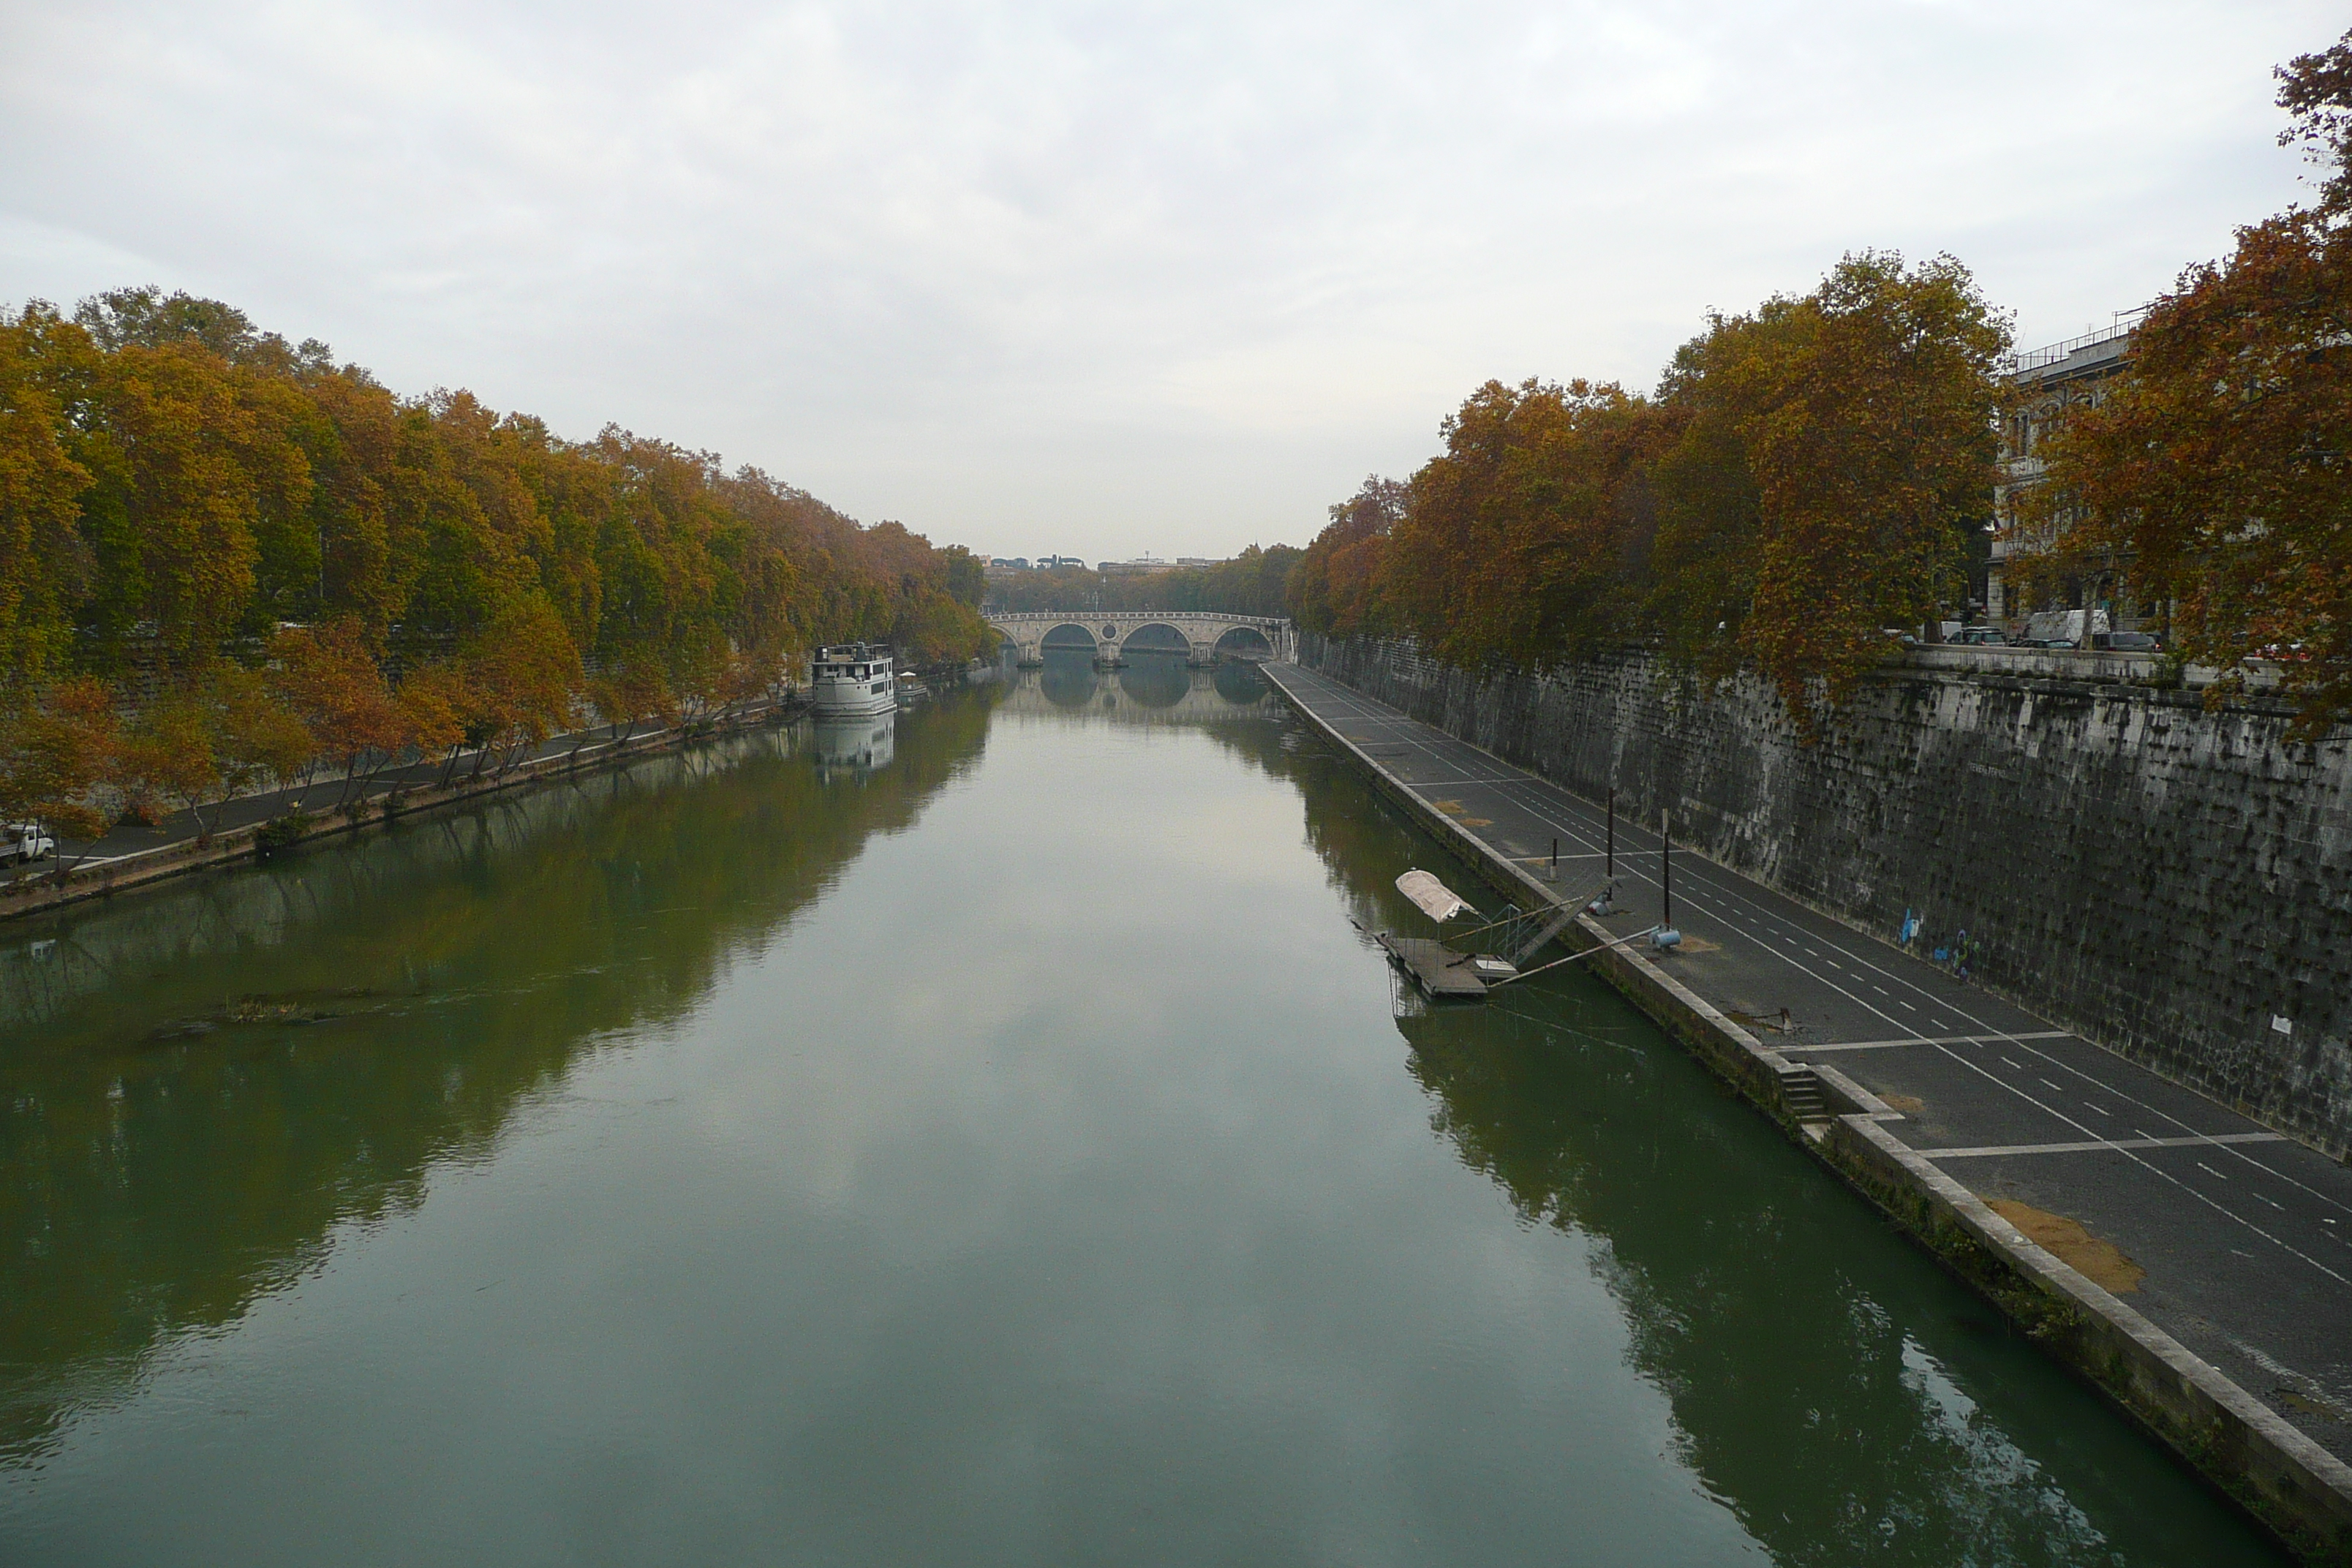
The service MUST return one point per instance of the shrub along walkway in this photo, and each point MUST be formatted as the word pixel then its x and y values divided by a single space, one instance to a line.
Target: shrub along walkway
pixel 2231 1238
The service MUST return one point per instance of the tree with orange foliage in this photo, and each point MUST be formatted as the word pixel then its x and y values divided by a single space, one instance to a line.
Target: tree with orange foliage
pixel 1832 455
pixel 630 691
pixel 1512 543
pixel 523 677
pixel 331 682
pixel 2217 471
pixel 1334 589
pixel 433 703
pixel 58 753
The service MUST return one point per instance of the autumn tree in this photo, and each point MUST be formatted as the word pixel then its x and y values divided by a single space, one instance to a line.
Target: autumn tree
pixel 1834 453
pixel 1511 547
pixel 42 559
pixel 178 485
pixel 1334 589
pixel 2215 472
pixel 328 677
pixel 522 677
pixel 433 703
pixel 57 753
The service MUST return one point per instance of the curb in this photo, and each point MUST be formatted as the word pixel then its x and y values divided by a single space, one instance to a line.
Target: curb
pixel 2288 1483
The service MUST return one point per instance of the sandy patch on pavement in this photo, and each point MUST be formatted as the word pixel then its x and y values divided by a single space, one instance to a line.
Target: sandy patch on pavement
pixel 2101 1262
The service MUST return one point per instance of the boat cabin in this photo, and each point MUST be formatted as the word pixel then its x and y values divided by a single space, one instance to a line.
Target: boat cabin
pixel 852 678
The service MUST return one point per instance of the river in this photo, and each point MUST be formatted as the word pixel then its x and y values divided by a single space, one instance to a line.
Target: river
pixel 987 1137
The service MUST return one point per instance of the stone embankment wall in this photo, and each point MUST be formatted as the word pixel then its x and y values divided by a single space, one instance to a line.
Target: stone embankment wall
pixel 2174 883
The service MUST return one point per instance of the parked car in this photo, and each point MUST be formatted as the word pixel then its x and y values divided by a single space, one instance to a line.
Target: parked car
pixel 1983 636
pixel 2127 642
pixel 21 841
pixel 1906 639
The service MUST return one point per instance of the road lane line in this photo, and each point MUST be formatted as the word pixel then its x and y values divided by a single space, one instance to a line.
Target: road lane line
pixel 2098 1145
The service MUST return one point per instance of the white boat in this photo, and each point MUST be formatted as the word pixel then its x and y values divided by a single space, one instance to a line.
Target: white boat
pixel 851 678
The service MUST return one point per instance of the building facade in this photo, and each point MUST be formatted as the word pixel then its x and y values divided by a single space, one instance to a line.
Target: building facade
pixel 2049 382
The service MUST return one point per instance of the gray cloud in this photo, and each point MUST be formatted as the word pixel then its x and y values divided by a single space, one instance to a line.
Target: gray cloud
pixel 1104 278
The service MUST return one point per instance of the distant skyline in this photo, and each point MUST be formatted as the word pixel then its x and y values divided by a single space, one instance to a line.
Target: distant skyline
pixel 1094 279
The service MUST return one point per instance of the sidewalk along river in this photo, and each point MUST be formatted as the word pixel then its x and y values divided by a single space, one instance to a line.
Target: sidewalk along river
pixel 984 1138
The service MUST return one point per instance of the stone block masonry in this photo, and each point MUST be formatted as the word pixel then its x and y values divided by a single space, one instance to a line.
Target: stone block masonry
pixel 2174 883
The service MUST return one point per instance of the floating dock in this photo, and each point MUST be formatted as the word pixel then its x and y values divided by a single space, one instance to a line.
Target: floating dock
pixel 1440 972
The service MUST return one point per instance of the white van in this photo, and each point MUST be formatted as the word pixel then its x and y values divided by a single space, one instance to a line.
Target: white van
pixel 25 841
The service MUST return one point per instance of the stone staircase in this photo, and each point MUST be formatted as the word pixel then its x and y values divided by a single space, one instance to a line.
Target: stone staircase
pixel 1800 1091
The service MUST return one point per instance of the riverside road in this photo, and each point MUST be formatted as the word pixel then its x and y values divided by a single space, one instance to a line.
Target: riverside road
pixel 2245 1236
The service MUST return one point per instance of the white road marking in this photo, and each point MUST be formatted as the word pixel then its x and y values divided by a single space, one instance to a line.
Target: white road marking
pixel 2093 1145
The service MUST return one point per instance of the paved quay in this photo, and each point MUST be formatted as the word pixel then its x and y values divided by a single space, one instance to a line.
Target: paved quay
pixel 2245 1237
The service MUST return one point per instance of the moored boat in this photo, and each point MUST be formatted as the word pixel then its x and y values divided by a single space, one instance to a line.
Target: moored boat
pixel 850 678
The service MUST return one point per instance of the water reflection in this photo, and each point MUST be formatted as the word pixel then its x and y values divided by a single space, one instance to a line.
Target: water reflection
pixel 1060 1181
pixel 1066 678
pixel 1155 678
pixel 853 747
pixel 1153 689
pixel 200 1085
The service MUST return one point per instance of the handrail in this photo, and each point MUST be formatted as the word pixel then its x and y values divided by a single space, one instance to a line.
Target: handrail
pixel 1572 957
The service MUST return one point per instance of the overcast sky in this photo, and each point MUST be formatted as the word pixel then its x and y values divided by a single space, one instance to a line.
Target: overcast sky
pixel 1104 278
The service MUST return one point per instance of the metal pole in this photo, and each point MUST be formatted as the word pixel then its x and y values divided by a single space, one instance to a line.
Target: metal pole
pixel 1612 831
pixel 1555 859
pixel 1666 870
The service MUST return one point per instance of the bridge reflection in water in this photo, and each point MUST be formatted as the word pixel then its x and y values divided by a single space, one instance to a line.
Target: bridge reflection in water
pixel 1152 688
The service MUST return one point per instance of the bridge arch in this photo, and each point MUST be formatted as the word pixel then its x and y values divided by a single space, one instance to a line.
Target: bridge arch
pixel 1243 641
pixel 1069 634
pixel 1155 637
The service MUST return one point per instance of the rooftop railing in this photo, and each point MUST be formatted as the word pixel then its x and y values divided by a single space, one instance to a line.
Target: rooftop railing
pixel 2121 326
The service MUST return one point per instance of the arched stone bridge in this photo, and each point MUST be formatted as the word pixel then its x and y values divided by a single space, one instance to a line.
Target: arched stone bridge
pixel 1206 637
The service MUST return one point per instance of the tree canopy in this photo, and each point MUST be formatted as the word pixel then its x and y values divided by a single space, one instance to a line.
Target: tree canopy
pixel 183 497
pixel 2213 474
pixel 1803 476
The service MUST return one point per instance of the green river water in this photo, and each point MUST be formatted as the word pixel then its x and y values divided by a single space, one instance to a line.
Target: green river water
pixel 983 1139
